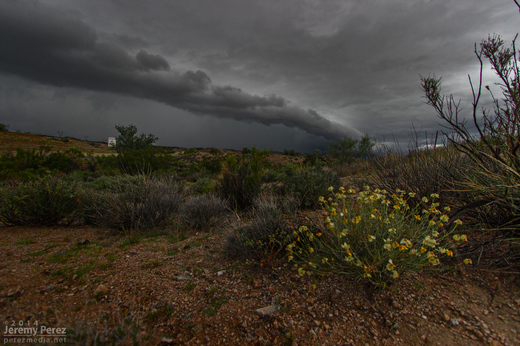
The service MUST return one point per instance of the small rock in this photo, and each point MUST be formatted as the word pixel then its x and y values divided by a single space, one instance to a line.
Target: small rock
pixel 267 311
pixel 454 322
pixel 184 277
pixel 220 273
pixel 167 340
pixel 15 291
pixel 84 242
pixel 446 317
pixel 101 290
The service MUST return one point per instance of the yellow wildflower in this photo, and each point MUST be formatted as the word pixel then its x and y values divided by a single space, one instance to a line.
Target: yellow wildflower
pixel 458 222
pixel 395 274
pixel 311 250
pixel 444 218
pixel 449 253
pixel 356 220
pixel 418 217
pixel 390 266
pixel 468 261
pixel 423 250
pixel 434 195
pixel 425 199
pixel 402 248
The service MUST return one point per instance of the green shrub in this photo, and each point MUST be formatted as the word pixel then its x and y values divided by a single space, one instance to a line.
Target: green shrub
pixel 65 162
pixel 202 212
pixel 264 239
pixel 306 184
pixel 374 236
pixel 241 180
pixel 137 203
pixel 129 141
pixel 347 149
pixel 46 201
pixel 24 159
pixel 211 165
pixel 202 186
pixel 147 160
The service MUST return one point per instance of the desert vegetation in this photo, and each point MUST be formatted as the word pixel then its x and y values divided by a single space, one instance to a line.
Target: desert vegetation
pixel 366 213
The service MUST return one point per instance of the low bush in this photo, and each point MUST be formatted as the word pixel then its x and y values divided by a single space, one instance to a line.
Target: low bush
pixel 46 201
pixel 264 239
pixel 307 184
pixel 137 203
pixel 202 186
pixel 424 171
pixel 241 181
pixel 375 236
pixel 202 212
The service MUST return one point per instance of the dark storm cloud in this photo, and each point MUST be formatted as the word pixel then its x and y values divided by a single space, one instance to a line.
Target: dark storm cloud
pixel 42 44
pixel 151 61
pixel 339 65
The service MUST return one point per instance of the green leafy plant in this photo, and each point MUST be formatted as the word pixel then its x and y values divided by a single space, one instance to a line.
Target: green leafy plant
pixel 46 201
pixel 306 184
pixel 374 236
pixel 128 140
pixel 241 180
pixel 348 149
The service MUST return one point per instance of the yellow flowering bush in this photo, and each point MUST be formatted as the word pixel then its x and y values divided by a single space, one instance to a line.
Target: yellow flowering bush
pixel 374 235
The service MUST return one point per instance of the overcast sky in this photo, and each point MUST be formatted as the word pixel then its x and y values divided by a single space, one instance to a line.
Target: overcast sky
pixel 278 74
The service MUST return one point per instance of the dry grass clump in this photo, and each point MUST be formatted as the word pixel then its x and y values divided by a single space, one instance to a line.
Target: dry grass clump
pixel 203 211
pixel 143 203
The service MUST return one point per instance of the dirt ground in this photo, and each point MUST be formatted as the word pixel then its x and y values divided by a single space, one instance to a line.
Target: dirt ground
pixel 168 289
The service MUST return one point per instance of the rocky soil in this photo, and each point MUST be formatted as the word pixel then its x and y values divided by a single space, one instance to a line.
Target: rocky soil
pixel 183 290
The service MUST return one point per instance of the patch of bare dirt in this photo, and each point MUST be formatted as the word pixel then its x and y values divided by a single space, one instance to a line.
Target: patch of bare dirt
pixel 169 290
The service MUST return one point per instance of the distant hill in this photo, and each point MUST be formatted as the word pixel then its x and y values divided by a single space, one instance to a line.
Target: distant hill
pixel 10 141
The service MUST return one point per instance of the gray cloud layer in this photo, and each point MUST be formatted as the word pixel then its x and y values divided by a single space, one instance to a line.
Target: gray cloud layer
pixel 46 47
pixel 332 68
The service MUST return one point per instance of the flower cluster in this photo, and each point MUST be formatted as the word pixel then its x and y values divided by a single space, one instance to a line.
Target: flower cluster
pixel 374 235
